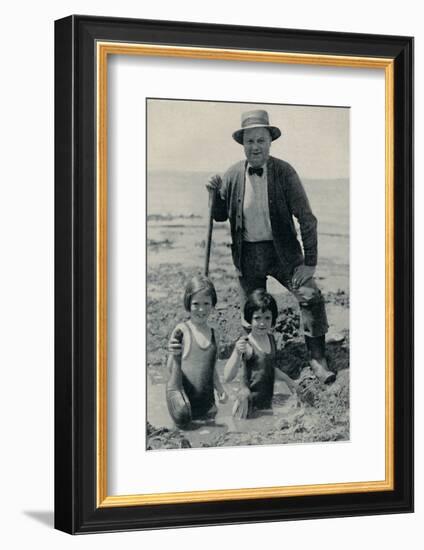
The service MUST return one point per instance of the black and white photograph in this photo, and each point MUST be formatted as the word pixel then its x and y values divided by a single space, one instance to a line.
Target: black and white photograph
pixel 247 294
pixel 210 252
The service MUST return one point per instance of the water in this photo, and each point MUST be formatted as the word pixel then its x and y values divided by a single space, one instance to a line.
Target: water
pixel 178 213
pixel 205 432
pixel 184 194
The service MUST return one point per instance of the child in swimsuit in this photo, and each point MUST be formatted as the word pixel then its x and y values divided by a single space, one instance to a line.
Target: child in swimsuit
pixel 192 356
pixel 255 355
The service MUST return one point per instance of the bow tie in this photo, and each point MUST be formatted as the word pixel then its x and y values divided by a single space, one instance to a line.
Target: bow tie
pixel 257 171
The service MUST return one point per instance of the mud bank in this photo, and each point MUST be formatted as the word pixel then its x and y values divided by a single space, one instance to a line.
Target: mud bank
pixel 327 420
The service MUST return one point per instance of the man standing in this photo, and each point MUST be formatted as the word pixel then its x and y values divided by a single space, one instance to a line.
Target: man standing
pixel 260 196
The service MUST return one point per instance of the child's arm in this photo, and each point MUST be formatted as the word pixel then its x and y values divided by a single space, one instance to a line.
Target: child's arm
pixel 217 382
pixel 280 375
pixel 176 399
pixel 234 362
pixel 242 405
pixel 175 346
pixel 220 390
pixel 231 366
pixel 222 394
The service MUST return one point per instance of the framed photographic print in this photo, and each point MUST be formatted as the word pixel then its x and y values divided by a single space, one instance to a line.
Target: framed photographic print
pixel 233 223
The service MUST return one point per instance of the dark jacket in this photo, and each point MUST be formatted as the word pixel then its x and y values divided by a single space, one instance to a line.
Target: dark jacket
pixel 286 198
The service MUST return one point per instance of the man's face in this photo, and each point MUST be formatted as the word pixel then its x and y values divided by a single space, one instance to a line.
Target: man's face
pixel 256 143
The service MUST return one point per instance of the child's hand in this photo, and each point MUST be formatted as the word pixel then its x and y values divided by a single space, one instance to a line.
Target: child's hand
pixel 241 405
pixel 222 396
pixel 295 395
pixel 297 401
pixel 175 346
pixel 242 346
pixel 175 342
pixel 244 393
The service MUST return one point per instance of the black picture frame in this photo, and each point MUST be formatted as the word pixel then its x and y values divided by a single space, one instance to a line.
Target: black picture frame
pixel 77 507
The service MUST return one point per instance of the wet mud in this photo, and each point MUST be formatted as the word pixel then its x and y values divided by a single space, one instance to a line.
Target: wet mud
pixel 289 421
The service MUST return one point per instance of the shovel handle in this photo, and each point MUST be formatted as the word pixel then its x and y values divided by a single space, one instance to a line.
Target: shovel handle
pixel 209 232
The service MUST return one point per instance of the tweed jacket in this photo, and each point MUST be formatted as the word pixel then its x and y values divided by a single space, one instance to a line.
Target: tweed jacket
pixel 286 198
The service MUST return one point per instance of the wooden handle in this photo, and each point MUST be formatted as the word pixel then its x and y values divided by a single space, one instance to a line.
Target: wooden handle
pixel 209 233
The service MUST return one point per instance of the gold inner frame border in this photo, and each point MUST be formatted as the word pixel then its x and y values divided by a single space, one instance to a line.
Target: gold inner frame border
pixel 103 50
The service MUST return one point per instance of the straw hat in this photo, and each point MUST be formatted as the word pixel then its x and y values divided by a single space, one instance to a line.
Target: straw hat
pixel 255 119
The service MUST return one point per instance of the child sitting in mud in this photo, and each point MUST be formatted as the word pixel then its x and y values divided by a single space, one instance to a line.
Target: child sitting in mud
pixel 192 356
pixel 255 355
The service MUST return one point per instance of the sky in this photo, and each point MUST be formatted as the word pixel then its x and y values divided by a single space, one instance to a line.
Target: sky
pixel 197 136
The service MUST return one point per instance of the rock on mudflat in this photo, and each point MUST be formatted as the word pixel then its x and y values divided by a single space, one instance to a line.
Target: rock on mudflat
pixel 335 338
pixel 282 424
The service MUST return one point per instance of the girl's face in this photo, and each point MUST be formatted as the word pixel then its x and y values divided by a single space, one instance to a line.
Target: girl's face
pixel 261 322
pixel 201 306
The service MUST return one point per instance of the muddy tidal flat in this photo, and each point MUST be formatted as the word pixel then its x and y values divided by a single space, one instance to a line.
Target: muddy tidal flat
pixel 176 248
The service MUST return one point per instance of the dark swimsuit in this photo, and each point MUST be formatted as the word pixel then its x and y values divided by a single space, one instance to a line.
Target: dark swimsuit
pixel 260 375
pixel 198 375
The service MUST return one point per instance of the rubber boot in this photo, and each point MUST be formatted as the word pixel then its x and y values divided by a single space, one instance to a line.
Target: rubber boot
pixel 318 362
pixel 176 398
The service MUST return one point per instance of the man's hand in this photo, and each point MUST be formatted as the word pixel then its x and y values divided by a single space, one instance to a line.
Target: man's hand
pixel 302 273
pixel 214 183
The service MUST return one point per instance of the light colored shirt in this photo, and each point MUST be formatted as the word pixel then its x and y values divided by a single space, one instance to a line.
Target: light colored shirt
pixel 256 221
